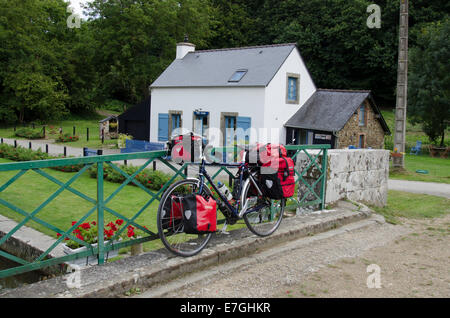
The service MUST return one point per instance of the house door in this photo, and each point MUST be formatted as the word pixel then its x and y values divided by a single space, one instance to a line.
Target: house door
pixel 230 128
pixel 229 133
pixel 201 123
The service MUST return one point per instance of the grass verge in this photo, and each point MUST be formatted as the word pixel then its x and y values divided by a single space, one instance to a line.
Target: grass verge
pixel 410 205
pixel 438 169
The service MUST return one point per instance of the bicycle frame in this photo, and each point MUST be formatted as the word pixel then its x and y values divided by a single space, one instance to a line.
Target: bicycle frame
pixel 242 167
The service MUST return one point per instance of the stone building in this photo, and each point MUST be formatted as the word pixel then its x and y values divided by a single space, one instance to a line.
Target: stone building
pixel 341 118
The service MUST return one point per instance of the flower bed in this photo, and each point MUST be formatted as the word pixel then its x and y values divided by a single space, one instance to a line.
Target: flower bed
pixel 67 138
pixel 88 232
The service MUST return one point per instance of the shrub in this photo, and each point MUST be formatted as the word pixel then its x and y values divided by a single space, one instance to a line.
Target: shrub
pixel 153 180
pixel 25 154
pixel 21 154
pixel 29 133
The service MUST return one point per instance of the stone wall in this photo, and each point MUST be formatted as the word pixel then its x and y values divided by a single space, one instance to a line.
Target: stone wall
pixel 355 174
pixel 373 131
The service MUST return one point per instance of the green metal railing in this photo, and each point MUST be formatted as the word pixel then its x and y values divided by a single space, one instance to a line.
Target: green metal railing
pixel 100 202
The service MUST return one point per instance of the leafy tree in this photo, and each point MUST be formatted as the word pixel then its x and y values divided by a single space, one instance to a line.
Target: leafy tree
pixel 30 60
pixel 136 40
pixel 429 80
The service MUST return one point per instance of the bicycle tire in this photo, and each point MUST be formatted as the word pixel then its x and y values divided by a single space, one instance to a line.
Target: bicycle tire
pixel 264 223
pixel 174 239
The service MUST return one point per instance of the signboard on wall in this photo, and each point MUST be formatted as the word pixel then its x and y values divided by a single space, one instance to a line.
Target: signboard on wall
pixel 322 136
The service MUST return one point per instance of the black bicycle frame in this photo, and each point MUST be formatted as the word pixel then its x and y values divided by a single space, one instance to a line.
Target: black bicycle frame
pixel 204 174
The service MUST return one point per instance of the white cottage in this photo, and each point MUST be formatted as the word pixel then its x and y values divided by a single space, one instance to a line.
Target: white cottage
pixel 260 87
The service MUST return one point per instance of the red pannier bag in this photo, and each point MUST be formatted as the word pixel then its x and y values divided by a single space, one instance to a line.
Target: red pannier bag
pixel 172 213
pixel 261 154
pixel 178 145
pixel 277 176
pixel 199 214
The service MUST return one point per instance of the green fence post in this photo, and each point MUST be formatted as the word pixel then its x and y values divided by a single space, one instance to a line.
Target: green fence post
pixel 324 177
pixel 100 216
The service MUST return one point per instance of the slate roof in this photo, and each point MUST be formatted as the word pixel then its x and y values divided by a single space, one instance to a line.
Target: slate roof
pixel 213 68
pixel 329 110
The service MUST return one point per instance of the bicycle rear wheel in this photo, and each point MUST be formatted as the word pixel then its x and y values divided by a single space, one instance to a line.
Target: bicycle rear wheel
pixel 265 215
pixel 171 231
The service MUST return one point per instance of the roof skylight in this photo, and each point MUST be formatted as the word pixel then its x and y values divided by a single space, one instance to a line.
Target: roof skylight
pixel 237 76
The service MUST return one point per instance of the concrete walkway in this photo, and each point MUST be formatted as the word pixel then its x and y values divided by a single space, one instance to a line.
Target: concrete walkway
pixel 431 188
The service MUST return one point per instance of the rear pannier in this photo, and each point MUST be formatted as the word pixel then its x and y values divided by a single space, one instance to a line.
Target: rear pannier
pixel 172 213
pixel 199 214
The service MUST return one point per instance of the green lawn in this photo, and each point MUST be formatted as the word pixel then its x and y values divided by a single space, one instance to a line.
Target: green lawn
pixel 411 205
pixel 438 169
pixel 413 132
pixel 31 189
pixel 81 123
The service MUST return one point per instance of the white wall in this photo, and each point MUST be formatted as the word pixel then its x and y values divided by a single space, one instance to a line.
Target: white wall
pixel 246 101
pixel 277 111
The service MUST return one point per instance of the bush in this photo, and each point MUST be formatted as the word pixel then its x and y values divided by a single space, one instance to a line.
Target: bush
pixel 21 154
pixel 29 133
pixel 153 180
pixel 24 154
pixel 66 137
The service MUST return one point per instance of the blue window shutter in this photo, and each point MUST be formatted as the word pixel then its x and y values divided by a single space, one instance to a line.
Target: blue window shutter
pixel 294 95
pixel 163 127
pixel 244 123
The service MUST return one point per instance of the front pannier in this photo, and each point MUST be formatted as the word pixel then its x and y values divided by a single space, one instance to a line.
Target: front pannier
pixel 199 214
pixel 277 180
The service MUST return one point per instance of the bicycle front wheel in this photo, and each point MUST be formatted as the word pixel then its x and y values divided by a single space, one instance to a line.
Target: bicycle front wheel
pixel 170 229
pixel 264 215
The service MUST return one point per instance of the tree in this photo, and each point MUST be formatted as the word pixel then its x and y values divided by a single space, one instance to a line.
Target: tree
pixel 30 63
pixel 429 80
pixel 136 40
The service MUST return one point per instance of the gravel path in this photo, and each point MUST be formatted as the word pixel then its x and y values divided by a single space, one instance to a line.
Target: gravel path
pixel 334 265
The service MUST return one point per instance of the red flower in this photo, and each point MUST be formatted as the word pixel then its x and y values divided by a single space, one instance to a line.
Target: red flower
pixel 130 233
pixel 73 223
pixel 112 226
pixel 109 233
pixel 85 226
pixel 94 223
pixel 119 222
pixel 58 235
pixel 80 237
pixel 77 231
